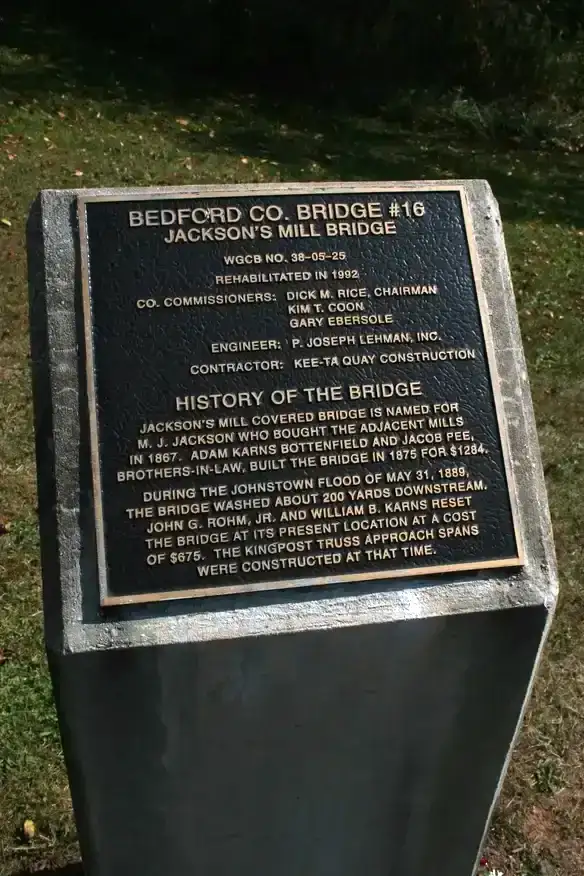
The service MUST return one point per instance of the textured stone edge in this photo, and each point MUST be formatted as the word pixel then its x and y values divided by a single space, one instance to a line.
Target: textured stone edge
pixel 54 296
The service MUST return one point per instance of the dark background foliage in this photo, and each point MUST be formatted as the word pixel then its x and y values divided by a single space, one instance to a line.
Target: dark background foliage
pixel 489 48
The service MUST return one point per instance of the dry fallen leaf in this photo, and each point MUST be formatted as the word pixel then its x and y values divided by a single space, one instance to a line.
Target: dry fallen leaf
pixel 183 122
pixel 4 526
pixel 78 173
pixel 29 829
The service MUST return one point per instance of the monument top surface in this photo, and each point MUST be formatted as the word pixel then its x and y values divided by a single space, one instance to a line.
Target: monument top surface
pixel 296 406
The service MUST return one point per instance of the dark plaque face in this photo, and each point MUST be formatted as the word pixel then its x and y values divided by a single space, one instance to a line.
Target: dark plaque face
pixel 289 390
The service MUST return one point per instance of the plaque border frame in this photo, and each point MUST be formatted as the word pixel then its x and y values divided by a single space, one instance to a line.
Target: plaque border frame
pixel 279 190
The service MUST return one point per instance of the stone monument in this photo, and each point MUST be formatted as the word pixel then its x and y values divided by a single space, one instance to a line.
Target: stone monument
pixel 297 559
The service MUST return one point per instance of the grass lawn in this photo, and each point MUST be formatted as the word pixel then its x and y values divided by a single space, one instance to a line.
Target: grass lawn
pixel 77 114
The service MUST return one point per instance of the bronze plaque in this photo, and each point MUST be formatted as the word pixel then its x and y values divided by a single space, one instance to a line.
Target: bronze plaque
pixel 289 390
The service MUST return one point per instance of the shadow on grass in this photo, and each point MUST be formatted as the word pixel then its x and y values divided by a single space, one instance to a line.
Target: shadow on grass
pixel 329 140
pixel 68 870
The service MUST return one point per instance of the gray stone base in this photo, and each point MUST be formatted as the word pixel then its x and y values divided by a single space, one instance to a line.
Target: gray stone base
pixel 367 751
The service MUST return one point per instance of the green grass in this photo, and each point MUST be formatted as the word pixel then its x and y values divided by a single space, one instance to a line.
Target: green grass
pixel 77 114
